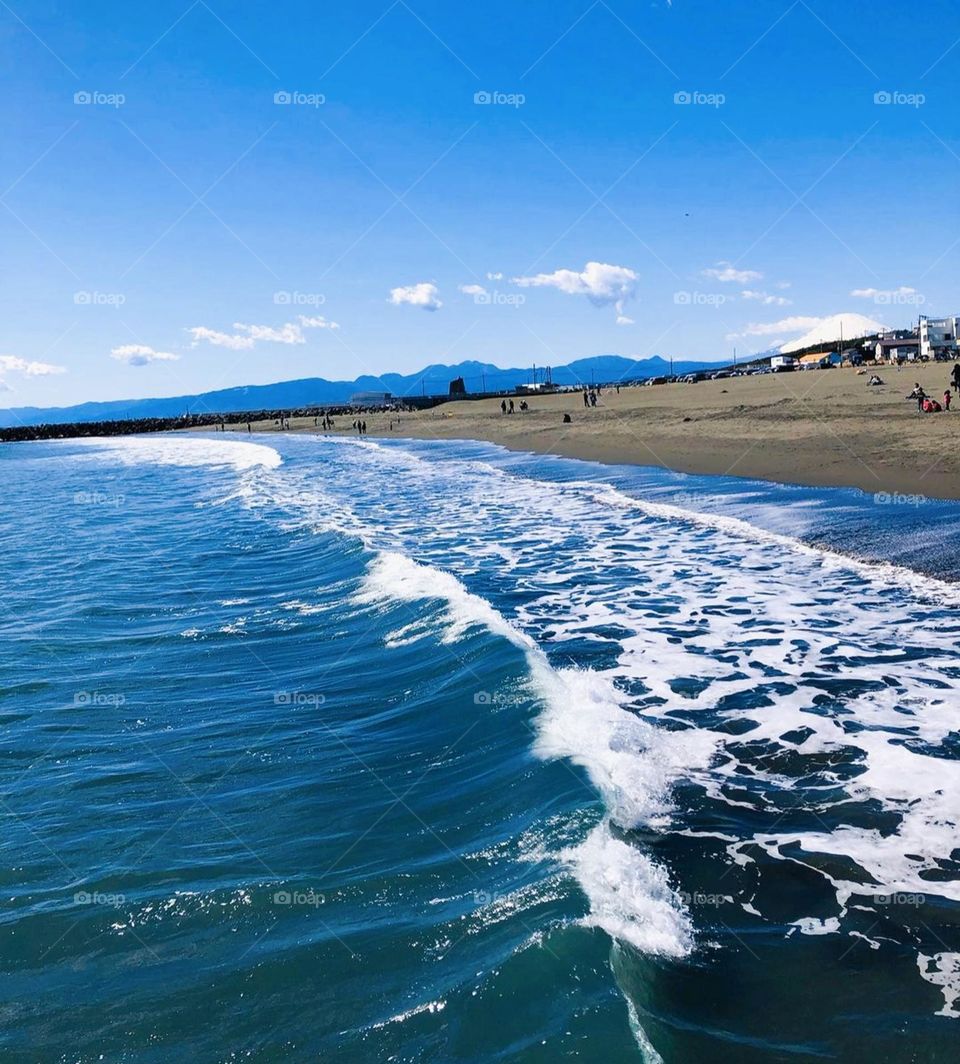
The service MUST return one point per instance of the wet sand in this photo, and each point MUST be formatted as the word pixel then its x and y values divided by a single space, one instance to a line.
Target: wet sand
pixel 819 427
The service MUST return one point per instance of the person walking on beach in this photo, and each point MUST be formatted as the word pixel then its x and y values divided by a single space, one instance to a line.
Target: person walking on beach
pixel 946 399
pixel 503 406
pixel 956 377
pixel 586 398
pixel 919 394
pixel 510 408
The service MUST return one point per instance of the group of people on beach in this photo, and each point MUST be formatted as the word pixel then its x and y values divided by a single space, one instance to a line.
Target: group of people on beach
pixel 508 407
pixel 926 404
pixel 361 427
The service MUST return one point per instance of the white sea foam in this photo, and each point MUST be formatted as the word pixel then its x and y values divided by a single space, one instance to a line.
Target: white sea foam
pixel 943 971
pixel 418 1010
pixel 630 762
pixel 809 925
pixel 630 896
pixel 706 617
pixel 881 574
pixel 396 577
pixel 180 451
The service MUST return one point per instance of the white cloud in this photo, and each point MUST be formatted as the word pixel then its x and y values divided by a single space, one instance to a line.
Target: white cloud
pixel 495 276
pixel 600 282
pixel 796 323
pixel 727 272
pixel 235 341
pixel 622 319
pixel 13 364
pixel 141 355
pixel 765 298
pixel 423 295
pixel 473 289
pixel 245 337
pixel 317 323
pixel 23 366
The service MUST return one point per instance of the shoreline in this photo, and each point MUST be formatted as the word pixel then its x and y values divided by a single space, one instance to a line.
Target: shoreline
pixel 823 428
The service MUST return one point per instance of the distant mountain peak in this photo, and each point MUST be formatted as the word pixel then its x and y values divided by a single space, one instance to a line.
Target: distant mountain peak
pixel 850 326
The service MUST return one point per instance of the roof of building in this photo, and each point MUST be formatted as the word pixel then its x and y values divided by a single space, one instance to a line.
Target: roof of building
pixel 892 341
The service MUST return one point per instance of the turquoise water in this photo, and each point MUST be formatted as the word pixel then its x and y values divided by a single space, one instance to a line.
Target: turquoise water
pixel 329 749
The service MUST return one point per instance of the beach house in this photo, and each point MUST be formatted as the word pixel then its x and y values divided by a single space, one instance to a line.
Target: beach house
pixel 820 360
pixel 896 349
pixel 938 337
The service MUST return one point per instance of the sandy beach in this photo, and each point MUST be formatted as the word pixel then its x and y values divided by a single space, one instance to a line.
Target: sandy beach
pixel 820 427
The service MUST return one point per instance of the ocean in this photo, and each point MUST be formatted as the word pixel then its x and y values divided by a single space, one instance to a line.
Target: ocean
pixel 343 750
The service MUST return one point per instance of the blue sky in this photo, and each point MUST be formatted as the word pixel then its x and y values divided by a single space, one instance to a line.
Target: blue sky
pixel 733 171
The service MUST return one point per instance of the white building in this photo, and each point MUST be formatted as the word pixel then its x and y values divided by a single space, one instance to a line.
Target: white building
pixel 938 336
pixel 896 349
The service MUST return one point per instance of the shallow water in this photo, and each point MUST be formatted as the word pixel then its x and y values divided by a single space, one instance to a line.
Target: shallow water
pixel 432 751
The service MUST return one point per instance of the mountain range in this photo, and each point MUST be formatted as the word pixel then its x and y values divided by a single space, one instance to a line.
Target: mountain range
pixel 317 391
